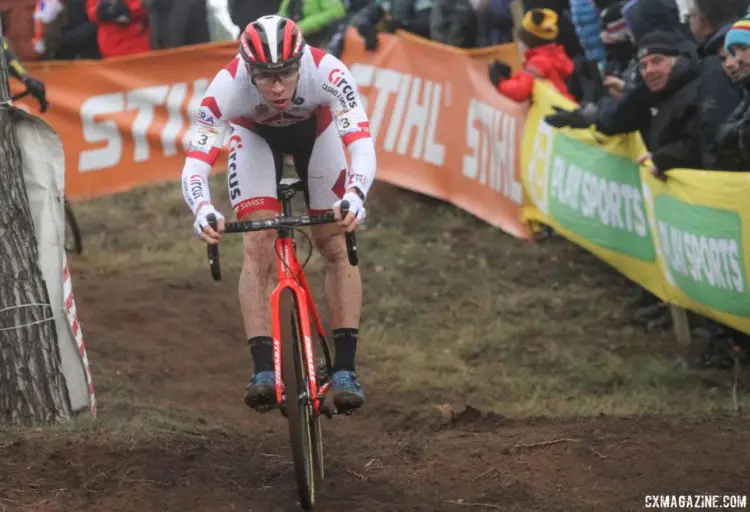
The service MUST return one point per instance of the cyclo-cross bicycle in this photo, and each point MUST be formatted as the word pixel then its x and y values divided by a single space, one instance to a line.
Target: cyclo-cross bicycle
pixel 74 245
pixel 300 385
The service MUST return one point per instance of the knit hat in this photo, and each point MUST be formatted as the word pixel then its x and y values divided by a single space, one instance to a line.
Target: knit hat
pixel 613 23
pixel 658 42
pixel 738 34
pixel 539 27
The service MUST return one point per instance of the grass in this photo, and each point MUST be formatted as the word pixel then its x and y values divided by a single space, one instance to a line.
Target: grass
pixel 455 311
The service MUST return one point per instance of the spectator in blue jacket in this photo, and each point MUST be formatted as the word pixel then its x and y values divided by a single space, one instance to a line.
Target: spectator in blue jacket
pixel 586 20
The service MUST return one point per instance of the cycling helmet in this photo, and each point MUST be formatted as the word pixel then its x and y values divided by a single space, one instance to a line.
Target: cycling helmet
pixel 272 43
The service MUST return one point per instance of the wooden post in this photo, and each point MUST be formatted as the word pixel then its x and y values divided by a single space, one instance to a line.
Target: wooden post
pixel 681 325
pixel 32 386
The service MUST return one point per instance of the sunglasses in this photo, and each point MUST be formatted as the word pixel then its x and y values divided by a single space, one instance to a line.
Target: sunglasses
pixel 268 78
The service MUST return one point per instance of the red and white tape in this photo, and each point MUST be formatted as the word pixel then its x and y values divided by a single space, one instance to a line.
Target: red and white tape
pixel 75 326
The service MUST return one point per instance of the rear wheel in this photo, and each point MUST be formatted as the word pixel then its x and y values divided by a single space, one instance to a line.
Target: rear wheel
pixel 298 402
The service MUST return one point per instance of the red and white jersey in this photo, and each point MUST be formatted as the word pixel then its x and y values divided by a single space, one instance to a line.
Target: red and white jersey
pixel 326 89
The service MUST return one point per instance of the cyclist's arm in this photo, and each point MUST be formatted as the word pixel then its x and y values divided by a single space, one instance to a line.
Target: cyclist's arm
pixel 351 121
pixel 205 145
pixel 15 67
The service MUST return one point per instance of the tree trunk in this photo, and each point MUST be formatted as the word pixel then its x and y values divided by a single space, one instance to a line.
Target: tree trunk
pixel 32 386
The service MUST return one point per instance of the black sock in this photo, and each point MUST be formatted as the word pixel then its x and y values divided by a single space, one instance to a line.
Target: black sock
pixel 261 348
pixel 345 344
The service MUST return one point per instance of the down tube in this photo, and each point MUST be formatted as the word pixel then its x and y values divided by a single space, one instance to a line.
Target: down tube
pixel 311 305
pixel 304 317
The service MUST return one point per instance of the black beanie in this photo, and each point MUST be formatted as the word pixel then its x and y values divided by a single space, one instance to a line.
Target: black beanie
pixel 658 42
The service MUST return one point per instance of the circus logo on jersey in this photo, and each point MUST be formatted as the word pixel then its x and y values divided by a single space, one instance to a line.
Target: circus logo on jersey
pixel 235 143
pixel 343 90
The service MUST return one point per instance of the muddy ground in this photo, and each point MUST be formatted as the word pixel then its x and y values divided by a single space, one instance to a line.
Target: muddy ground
pixel 168 341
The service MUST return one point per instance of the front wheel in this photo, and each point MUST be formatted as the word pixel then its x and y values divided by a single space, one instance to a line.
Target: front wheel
pixel 300 414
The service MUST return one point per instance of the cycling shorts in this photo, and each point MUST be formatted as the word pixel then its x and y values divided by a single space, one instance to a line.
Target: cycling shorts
pixel 256 163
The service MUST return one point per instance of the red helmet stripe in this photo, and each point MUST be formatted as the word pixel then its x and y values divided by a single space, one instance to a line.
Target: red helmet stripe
pixel 252 32
pixel 288 38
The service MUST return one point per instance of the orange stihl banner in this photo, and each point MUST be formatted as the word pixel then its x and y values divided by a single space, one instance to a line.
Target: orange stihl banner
pixel 440 127
pixel 125 122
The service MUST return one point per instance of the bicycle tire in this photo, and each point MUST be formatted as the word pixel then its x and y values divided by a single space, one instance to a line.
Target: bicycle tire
pixel 71 227
pixel 299 411
pixel 317 439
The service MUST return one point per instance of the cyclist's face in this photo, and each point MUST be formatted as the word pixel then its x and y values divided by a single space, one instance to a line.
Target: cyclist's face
pixel 277 88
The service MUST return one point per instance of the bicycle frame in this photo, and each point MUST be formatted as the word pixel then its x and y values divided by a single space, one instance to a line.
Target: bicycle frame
pixel 290 276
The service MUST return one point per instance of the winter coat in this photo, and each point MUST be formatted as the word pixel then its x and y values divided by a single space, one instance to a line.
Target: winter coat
pixel 115 39
pixel 586 20
pixel 548 62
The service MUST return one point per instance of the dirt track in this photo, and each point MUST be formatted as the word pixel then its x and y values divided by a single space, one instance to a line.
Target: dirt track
pixel 152 342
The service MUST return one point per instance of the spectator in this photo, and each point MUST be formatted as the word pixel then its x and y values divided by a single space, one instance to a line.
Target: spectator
pixel 630 110
pixel 568 37
pixel 317 19
pixel 242 12
pixel 711 19
pixel 495 22
pixel 586 21
pixel 543 58
pixel 617 41
pixel 78 37
pixel 175 23
pixel 685 117
pixel 409 15
pixel 454 22
pixel 733 66
pixel 734 135
pixel 49 19
pixel 122 26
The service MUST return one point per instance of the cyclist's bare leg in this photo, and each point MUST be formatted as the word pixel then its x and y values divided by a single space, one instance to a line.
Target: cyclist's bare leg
pixel 343 282
pixel 343 287
pixel 255 288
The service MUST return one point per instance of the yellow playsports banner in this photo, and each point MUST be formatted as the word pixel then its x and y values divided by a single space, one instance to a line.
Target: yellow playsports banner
pixel 682 240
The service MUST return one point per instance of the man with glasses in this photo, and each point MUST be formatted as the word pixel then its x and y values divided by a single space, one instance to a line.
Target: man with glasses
pixel 280 97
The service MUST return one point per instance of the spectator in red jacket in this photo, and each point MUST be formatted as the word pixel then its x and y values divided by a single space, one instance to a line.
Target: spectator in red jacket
pixel 122 26
pixel 543 58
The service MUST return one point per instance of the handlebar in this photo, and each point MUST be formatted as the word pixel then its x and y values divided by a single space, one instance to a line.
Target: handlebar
pixel 42 104
pixel 276 223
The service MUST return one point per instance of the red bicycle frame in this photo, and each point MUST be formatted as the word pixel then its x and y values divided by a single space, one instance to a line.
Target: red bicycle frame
pixel 290 276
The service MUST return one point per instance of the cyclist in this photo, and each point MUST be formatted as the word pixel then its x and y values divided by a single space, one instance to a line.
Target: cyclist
pixel 280 97
pixel 16 69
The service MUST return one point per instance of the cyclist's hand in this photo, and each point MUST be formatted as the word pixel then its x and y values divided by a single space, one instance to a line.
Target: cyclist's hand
pixel 203 230
pixel 37 90
pixel 356 214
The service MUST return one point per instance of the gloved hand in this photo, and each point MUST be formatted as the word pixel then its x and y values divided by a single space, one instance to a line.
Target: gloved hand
pixel 37 90
pixel 356 214
pixel 579 118
pixel 499 71
pixel 370 34
pixel 201 227
pixel 114 11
